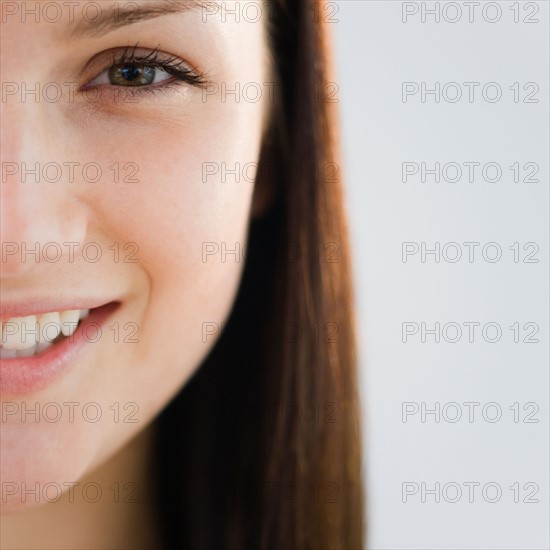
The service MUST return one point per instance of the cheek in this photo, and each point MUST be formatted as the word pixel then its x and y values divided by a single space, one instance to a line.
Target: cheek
pixel 196 178
pixel 189 217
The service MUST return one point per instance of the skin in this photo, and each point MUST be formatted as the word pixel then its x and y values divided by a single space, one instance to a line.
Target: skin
pixel 169 292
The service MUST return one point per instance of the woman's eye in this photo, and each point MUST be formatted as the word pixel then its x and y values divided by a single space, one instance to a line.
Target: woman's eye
pixel 132 74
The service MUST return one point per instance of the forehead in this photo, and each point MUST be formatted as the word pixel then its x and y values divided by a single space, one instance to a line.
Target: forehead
pixel 84 18
pixel 92 13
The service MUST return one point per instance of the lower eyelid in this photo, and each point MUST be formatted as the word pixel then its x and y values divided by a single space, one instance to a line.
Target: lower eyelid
pixel 127 96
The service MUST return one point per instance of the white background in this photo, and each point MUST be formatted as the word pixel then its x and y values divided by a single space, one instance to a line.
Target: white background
pixel 375 53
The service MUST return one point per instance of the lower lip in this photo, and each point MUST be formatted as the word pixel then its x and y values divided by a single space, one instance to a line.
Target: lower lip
pixel 25 375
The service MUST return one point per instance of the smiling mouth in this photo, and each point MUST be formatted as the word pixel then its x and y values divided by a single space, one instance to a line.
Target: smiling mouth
pixel 38 349
pixel 31 335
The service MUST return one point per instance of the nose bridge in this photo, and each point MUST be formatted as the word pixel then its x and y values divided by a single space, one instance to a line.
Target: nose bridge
pixel 36 205
pixel 21 129
pixel 12 128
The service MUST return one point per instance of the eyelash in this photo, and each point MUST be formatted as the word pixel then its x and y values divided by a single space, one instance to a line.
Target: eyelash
pixel 171 65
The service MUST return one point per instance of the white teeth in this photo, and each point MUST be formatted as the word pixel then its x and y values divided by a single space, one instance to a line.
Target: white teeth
pixel 41 346
pixel 20 333
pixel 31 335
pixel 7 353
pixel 29 352
pixel 50 327
pixel 69 321
pixel 84 313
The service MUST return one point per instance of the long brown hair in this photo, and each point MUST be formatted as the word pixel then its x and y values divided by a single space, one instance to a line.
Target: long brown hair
pixel 261 449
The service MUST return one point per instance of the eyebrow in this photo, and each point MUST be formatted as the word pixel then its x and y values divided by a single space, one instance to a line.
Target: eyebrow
pixel 111 19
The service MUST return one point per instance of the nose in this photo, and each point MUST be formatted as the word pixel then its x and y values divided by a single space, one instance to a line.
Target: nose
pixel 38 213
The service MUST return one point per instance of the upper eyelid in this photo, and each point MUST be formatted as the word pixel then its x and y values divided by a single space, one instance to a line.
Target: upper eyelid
pixel 120 54
pixel 111 56
pixel 127 58
pixel 126 54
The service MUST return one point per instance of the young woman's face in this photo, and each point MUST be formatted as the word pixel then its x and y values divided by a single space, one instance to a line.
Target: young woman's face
pixel 128 158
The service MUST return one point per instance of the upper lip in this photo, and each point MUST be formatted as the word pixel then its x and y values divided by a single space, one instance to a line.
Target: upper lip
pixel 37 307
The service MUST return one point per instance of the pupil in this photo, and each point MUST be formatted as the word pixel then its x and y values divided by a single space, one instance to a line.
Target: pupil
pixel 130 72
pixel 132 75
